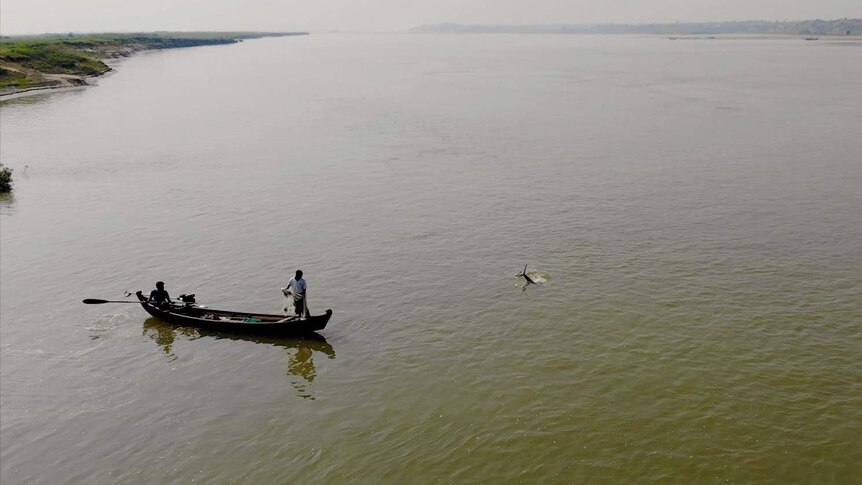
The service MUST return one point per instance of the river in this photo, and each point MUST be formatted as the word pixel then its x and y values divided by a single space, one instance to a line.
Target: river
pixel 691 209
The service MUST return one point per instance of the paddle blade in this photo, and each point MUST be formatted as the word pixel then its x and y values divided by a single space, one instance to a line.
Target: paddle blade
pixel 94 301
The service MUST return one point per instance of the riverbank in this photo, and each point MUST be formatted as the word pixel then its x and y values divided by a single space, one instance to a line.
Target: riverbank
pixel 54 61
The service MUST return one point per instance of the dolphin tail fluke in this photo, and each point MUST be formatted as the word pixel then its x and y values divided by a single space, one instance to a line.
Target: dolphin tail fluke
pixel 524 274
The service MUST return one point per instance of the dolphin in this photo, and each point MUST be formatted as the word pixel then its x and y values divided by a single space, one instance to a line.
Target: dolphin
pixel 524 274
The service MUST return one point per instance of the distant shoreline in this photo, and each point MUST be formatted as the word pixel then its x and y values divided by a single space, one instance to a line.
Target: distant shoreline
pixel 34 64
pixel 840 27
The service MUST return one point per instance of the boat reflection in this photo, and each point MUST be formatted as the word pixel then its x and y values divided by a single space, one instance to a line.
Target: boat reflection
pixel 300 350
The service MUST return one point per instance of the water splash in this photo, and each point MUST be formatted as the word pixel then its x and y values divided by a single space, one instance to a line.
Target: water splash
pixel 538 277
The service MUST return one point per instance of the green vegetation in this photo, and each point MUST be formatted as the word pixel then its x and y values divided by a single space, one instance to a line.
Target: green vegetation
pixel 25 64
pixel 51 58
pixel 56 60
pixel 13 78
pixel 5 179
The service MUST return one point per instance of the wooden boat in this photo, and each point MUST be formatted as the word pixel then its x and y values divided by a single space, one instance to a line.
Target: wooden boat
pixel 189 314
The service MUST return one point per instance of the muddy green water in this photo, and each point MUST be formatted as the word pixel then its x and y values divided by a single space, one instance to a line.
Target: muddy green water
pixel 695 208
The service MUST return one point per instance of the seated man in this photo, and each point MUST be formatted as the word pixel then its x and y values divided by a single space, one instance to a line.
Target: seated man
pixel 160 296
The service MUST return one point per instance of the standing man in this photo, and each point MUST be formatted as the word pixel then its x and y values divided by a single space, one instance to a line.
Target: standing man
pixel 296 288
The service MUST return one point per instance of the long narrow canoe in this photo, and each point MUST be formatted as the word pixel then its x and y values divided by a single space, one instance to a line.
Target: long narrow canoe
pixel 191 315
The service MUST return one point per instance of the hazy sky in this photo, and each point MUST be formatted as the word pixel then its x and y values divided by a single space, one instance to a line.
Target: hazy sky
pixel 36 16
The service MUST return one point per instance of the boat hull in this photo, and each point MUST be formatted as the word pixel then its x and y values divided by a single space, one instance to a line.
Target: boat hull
pixel 235 322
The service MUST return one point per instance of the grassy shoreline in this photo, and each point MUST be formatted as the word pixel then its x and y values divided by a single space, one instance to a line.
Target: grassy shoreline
pixel 52 61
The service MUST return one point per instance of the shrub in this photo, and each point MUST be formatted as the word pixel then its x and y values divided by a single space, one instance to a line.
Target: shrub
pixel 5 179
pixel 10 78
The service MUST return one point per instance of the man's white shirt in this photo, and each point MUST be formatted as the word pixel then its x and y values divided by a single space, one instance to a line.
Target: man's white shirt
pixel 297 286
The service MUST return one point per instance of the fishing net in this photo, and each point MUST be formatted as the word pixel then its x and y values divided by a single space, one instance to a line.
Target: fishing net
pixel 291 300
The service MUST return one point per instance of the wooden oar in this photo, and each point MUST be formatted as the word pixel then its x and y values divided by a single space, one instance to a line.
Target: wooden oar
pixel 94 301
